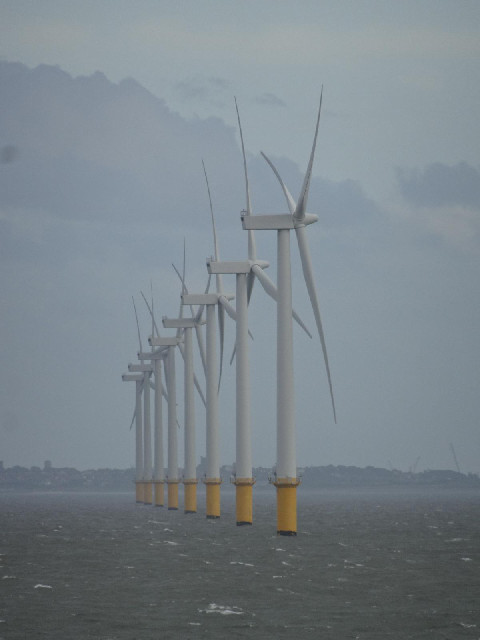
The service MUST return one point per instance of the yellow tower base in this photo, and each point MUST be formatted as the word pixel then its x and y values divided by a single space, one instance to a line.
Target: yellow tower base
pixel 159 493
pixel 243 499
pixel 148 493
pixel 287 506
pixel 172 494
pixel 190 496
pixel 139 492
pixel 213 497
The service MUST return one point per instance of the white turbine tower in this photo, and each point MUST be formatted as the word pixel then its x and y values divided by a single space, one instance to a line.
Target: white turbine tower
pixel 138 379
pixel 286 480
pixel 245 274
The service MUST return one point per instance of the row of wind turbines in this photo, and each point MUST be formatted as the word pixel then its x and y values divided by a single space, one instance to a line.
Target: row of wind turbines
pixel 205 308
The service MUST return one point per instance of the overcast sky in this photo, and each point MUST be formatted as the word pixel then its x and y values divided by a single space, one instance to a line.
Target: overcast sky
pixel 96 205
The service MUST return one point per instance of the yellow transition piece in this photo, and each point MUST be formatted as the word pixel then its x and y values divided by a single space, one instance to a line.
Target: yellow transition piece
pixel 287 506
pixel 190 495
pixel 173 494
pixel 243 500
pixel 159 494
pixel 213 496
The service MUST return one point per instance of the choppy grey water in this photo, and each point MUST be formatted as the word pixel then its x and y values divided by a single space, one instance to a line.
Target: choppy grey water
pixel 366 564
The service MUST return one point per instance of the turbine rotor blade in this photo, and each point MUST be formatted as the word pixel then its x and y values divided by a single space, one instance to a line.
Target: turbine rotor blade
pixel 201 347
pixel 199 389
pixel 180 311
pixel 312 292
pixel 252 251
pixel 215 243
pixel 198 317
pixel 271 290
pixel 250 283
pixel 292 205
pixel 151 313
pixel 302 201
pixel 133 418
pixel 221 331
pixel 138 325
pixel 195 380
pixel 231 311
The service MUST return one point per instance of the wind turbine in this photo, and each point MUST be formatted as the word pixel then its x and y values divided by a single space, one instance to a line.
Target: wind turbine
pixel 245 274
pixel 172 455
pixel 156 356
pixel 185 326
pixel 146 370
pixel 286 480
pixel 219 299
pixel 138 379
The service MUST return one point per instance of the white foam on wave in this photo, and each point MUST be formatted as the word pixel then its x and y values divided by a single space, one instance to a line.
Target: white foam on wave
pixel 175 544
pixel 42 586
pixel 245 564
pixel 9 577
pixel 467 560
pixel 224 610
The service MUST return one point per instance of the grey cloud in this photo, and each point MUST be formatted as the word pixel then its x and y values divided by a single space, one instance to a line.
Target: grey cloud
pixel 201 89
pixel 438 185
pixel 107 183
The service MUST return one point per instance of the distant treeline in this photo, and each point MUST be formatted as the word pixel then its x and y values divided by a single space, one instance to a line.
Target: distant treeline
pixel 67 479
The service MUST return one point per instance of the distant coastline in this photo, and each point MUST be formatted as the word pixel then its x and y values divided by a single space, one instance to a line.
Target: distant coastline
pixel 50 478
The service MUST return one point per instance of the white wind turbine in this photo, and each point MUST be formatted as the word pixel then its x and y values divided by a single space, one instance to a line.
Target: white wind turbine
pixel 245 274
pixel 147 370
pixel 138 379
pixel 142 445
pixel 185 326
pixel 167 345
pixel 155 356
pixel 211 300
pixel 286 479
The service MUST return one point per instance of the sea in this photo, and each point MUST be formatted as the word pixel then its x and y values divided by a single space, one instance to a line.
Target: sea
pixel 367 563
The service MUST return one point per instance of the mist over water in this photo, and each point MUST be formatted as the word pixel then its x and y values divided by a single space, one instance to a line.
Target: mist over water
pixel 365 564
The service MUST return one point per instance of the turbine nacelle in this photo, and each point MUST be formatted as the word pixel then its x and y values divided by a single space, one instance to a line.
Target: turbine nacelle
pixel 157 341
pixel 126 377
pixel 243 266
pixel 204 298
pixel 159 354
pixel 179 323
pixel 145 368
pixel 276 221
